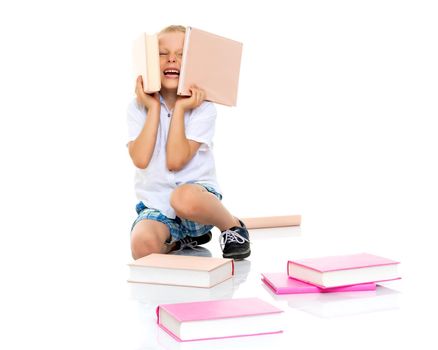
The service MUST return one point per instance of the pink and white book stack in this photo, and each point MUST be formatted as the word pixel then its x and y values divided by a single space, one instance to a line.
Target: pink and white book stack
pixel 342 273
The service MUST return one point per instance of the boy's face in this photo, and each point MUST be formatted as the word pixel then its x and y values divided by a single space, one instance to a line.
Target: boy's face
pixel 171 48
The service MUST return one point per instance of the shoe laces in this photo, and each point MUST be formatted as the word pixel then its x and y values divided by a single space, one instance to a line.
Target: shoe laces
pixel 187 242
pixel 230 236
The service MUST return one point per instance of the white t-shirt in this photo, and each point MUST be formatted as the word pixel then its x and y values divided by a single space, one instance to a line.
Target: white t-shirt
pixel 154 185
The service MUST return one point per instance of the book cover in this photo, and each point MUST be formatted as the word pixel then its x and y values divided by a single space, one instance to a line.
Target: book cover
pixel 343 270
pixel 146 62
pixel 212 63
pixel 223 319
pixel 281 283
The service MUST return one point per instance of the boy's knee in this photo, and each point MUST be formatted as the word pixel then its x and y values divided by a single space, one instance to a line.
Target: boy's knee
pixel 141 247
pixel 184 203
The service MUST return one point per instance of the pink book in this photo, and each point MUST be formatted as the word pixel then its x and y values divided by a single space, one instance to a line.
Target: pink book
pixel 281 283
pixel 219 319
pixel 343 270
pixel 212 63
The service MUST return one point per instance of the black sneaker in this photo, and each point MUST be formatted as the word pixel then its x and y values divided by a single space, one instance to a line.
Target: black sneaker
pixel 192 242
pixel 235 242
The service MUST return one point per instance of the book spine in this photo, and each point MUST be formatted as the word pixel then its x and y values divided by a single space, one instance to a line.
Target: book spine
pixel 182 73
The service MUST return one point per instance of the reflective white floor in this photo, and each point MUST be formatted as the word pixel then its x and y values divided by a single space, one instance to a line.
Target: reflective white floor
pixel 392 316
pixel 81 300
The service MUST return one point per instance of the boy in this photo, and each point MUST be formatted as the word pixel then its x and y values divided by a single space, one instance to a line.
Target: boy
pixel 170 143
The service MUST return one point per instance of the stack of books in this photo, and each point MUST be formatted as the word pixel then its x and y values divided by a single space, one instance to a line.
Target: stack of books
pixel 342 273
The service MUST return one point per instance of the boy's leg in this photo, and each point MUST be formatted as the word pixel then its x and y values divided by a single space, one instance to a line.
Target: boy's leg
pixel 149 236
pixel 195 203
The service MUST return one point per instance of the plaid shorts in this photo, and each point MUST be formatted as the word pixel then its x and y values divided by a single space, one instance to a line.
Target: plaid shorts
pixel 179 228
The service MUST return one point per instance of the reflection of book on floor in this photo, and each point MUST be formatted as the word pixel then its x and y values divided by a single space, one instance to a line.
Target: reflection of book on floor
pixel 343 270
pixel 159 293
pixel 180 270
pixel 328 305
pixel 281 283
pixel 267 341
pixel 212 63
pixel 146 61
pixel 219 319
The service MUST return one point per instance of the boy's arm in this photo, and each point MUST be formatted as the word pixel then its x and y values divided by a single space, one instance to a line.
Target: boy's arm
pixel 142 148
pixel 179 149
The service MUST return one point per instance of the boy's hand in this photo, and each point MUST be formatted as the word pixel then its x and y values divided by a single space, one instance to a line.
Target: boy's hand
pixel 148 100
pixel 187 103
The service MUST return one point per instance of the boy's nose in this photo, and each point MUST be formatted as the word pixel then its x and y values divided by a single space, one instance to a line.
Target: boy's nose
pixel 172 58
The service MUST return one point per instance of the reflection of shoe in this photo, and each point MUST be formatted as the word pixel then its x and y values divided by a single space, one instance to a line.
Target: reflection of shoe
pixel 235 242
pixel 192 242
pixel 241 271
pixel 197 251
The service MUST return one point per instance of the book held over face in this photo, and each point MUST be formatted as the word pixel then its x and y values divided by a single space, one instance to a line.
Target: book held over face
pixel 209 61
pixel 212 63
pixel 281 283
pixel 146 62
pixel 219 319
pixel 343 270
pixel 181 270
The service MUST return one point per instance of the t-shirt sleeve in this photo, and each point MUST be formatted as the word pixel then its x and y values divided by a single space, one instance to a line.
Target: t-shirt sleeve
pixel 136 118
pixel 201 125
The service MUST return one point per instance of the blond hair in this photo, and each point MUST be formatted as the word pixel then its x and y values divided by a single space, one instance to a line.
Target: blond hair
pixel 173 28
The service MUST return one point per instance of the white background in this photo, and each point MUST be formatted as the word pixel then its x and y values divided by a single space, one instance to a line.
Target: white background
pixel 335 121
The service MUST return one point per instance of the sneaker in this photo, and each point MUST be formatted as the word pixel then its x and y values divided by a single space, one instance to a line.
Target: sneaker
pixel 235 242
pixel 192 242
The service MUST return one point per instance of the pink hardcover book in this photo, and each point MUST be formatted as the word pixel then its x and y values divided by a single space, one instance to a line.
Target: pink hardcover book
pixel 219 319
pixel 281 283
pixel 343 270
pixel 212 63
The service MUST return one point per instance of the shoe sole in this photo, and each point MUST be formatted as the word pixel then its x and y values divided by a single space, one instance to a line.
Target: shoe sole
pixel 240 256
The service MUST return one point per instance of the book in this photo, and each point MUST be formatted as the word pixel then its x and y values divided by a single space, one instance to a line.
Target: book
pixel 343 270
pixel 181 270
pixel 212 63
pixel 219 319
pixel 146 61
pixel 281 283
pixel 272 221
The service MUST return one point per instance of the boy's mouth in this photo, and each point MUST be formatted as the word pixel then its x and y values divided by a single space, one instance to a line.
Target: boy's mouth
pixel 171 73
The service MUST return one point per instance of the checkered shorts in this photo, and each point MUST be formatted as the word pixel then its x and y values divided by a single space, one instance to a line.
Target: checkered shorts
pixel 179 228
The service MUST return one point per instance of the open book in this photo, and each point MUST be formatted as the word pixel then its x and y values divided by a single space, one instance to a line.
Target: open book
pixel 212 63
pixel 209 61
